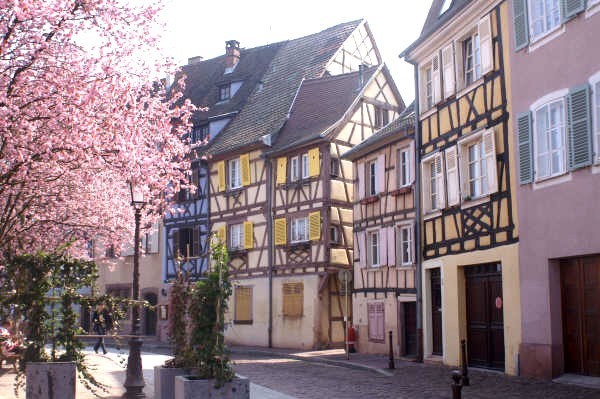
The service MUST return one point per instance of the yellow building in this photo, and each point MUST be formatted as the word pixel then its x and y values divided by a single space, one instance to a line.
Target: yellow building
pixel 468 229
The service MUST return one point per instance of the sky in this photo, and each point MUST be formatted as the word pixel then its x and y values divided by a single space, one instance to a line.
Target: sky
pixel 200 28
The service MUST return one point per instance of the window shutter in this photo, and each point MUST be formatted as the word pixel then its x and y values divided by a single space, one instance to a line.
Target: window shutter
pixel 195 249
pixel 314 163
pixel 439 171
pixel 380 321
pixel 426 185
pixel 243 303
pixel 489 150
pixel 570 8
pixel 448 65
pixel 484 28
pixel 248 235
pixel 314 223
pixel 422 90
pixel 222 234
pixel 579 127
pixel 412 165
pixel 391 246
pixel 176 243
pixel 435 78
pixel 221 175
pixel 153 241
pixel 281 170
pixel 521 24
pixel 362 248
pixel 196 180
pixel 245 169
pixel 280 231
pixel 452 176
pixel 360 170
pixel 524 133
pixel 380 174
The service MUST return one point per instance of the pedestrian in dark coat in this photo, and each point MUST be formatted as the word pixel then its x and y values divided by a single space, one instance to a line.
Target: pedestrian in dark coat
pixel 102 323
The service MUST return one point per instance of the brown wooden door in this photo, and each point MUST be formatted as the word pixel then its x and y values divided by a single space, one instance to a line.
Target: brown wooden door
pixel 485 326
pixel 581 315
pixel 410 328
pixel 436 312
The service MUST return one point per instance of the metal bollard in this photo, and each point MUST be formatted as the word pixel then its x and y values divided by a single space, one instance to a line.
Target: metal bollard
pixel 391 364
pixel 456 385
pixel 465 371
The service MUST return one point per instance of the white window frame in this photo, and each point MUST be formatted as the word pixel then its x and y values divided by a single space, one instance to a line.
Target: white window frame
pixel 595 84
pixel 236 236
pixel 440 185
pixel 558 96
pixel 404 167
pixel 294 168
pixel 235 173
pixel 547 30
pixel 373 257
pixel 305 168
pixel 407 228
pixel 464 162
pixel 299 229
pixel 473 37
pixel 427 88
pixel 371 178
pixel 224 89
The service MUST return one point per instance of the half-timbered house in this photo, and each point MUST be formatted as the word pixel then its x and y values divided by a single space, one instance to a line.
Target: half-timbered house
pixel 469 232
pixel 272 203
pixel 384 294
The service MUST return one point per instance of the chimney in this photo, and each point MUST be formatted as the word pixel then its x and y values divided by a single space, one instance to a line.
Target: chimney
pixel 232 54
pixel 361 76
pixel 195 60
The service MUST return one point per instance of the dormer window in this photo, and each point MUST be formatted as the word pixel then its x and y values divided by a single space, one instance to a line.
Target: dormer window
pixel 224 92
pixel 445 6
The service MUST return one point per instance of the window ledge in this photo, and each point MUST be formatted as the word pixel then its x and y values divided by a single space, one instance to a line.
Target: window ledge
pixel 242 322
pixel 369 200
pixel 234 191
pixel 474 202
pixel 592 9
pixel 297 245
pixel 545 38
pixel 428 113
pixel 469 88
pixel 402 190
pixel 553 180
pixel 237 252
pixel 409 266
pixel 596 169
pixel 432 214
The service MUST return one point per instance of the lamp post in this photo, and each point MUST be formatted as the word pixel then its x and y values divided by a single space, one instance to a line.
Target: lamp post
pixel 134 382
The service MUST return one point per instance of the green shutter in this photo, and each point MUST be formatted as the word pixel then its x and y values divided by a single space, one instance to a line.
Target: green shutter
pixel 579 129
pixel 521 24
pixel 570 8
pixel 525 147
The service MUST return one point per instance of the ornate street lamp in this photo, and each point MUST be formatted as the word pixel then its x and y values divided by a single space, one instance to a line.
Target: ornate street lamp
pixel 134 382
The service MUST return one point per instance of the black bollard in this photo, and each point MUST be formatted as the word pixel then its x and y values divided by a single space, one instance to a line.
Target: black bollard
pixel 463 355
pixel 391 364
pixel 456 385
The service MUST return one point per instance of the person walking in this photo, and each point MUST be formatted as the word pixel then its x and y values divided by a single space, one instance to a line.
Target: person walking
pixel 102 323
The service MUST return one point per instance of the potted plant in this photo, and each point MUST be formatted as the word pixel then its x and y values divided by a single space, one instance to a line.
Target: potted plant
pixel 212 373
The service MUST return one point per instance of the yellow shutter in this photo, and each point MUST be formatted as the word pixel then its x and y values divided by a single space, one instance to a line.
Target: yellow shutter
pixel 245 166
pixel 280 231
pixel 314 225
pixel 248 235
pixel 243 304
pixel 221 234
pixel 221 175
pixel 281 170
pixel 293 299
pixel 314 163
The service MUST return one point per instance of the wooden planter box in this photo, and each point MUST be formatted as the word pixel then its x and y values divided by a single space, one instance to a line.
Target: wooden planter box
pixel 50 380
pixel 164 381
pixel 186 388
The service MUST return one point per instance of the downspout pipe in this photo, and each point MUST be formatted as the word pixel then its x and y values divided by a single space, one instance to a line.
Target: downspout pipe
pixel 270 249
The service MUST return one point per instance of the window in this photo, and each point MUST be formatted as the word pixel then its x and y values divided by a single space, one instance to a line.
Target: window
pixel 375 314
pixel 304 166
pixel 471 59
pixel 299 229
pixel 550 149
pixel 199 134
pixel 90 248
pixel 381 117
pixel 110 252
pixel 243 305
pixel 428 88
pixel 235 179
pixel 596 117
pixel 294 168
pixel 433 183
pixel 122 291
pixel 477 168
pixel 372 178
pixel 186 242
pixel 544 16
pixel 334 235
pixel 335 167
pixel 405 244
pixel 236 236
pixel 404 172
pixel 293 299
pixel 373 248
pixel 224 92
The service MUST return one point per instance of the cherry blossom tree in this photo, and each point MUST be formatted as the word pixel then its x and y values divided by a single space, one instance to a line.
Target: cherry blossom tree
pixel 82 114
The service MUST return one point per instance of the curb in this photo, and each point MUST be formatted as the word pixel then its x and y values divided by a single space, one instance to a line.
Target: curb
pixel 338 363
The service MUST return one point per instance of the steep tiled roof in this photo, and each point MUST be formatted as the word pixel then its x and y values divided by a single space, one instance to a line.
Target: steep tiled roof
pixel 319 104
pixel 204 78
pixel 396 129
pixel 435 20
pixel 266 109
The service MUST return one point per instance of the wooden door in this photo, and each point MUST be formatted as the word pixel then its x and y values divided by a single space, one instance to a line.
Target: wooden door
pixel 581 315
pixel 150 315
pixel 410 328
pixel 436 312
pixel 485 326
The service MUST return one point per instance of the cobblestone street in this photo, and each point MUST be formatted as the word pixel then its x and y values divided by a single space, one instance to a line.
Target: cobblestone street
pixel 302 379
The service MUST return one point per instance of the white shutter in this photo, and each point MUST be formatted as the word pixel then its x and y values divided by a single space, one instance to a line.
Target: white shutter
pixel 380 174
pixel 426 185
pixel 153 241
pixel 412 166
pixel 489 149
pixel 383 252
pixel 452 176
pixel 435 78
pixel 439 172
pixel 484 28
pixel 362 248
pixel 360 170
pixel 448 65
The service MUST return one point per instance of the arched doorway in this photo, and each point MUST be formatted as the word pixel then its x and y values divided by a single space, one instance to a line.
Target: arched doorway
pixel 150 315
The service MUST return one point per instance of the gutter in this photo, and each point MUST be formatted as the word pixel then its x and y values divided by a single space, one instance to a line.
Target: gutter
pixel 270 249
